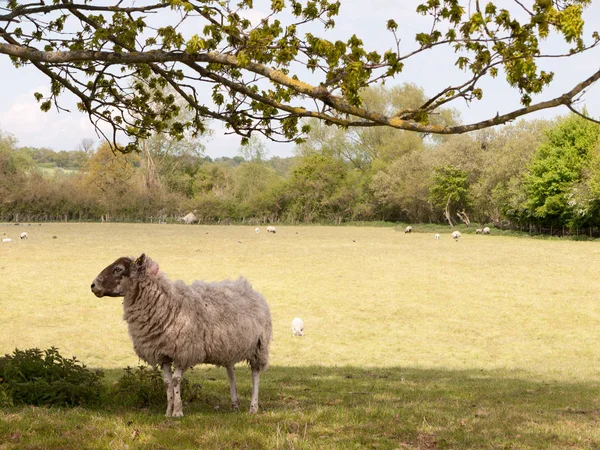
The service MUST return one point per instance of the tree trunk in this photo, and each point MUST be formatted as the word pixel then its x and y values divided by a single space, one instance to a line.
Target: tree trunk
pixel 462 215
pixel 447 213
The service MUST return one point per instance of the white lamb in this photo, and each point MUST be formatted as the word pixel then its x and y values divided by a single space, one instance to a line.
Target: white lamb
pixel 271 229
pixel 23 235
pixel 456 235
pixel 297 327
pixel 437 236
pixel 257 230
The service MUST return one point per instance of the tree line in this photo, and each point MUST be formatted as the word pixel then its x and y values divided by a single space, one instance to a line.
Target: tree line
pixel 541 175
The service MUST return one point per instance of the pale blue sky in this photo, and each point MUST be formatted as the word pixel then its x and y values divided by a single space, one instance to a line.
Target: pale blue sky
pixel 20 115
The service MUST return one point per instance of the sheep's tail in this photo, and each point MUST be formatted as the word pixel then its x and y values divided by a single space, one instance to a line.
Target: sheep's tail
pixel 260 359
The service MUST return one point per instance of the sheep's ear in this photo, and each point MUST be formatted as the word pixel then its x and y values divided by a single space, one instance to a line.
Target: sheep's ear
pixel 141 260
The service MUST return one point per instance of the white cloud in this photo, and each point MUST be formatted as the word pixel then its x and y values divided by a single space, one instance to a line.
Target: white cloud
pixel 32 127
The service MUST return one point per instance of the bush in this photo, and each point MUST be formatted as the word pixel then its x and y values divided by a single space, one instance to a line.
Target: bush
pixel 144 387
pixel 37 377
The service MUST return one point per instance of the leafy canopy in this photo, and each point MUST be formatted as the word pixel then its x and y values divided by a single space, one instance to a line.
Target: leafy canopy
pixel 118 59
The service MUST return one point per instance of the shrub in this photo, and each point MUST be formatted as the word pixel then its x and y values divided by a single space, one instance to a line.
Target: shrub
pixel 144 387
pixel 45 377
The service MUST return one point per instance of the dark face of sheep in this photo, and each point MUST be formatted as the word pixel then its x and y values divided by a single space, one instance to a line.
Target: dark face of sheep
pixel 113 280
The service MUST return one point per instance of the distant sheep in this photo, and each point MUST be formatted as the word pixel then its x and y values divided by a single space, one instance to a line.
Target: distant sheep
pixel 171 323
pixel 188 218
pixel 271 229
pixel 478 231
pixel 456 235
pixel 23 235
pixel 486 230
pixel 408 229
pixel 297 327
pixel 437 236
pixel 6 240
pixel 257 230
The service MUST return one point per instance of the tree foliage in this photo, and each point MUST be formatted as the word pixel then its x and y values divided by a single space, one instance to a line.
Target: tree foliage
pixel 543 174
pixel 117 60
pixel 557 171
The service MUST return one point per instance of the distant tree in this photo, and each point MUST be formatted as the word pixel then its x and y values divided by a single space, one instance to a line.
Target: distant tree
pixel 450 190
pixel 364 146
pixel 315 188
pixel 557 168
pixel 254 150
pixel 498 191
pixel 110 176
pixel 116 60
pixel 86 145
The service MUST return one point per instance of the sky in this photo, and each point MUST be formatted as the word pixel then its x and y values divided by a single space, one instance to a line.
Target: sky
pixel 433 71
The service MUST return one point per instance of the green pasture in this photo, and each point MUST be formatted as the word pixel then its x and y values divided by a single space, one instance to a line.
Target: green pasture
pixel 489 342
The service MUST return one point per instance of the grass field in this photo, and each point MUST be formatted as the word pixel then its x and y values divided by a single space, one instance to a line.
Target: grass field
pixel 491 342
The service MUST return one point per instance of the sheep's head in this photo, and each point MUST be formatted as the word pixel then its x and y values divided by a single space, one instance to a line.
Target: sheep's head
pixel 116 279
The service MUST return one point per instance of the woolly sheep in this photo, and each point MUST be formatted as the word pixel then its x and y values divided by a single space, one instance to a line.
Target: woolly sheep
pixel 456 235
pixel 23 235
pixel 6 240
pixel 297 327
pixel 437 236
pixel 188 218
pixel 486 230
pixel 257 230
pixel 171 323
pixel 271 229
pixel 478 231
pixel 408 229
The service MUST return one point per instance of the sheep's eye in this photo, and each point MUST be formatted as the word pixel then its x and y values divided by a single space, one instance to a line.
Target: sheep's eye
pixel 118 269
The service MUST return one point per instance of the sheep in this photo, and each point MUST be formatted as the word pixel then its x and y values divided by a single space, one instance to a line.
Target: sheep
pixel 257 230
pixel 456 235
pixel 171 323
pixel 478 231
pixel 408 229
pixel 486 230
pixel 271 229
pixel 6 240
pixel 297 327
pixel 23 235
pixel 437 236
pixel 188 218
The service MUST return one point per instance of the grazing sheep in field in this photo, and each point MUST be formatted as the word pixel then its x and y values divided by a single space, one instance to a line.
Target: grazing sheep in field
pixel 257 230
pixel 188 219
pixel 271 229
pixel 408 229
pixel 486 230
pixel 23 235
pixel 456 235
pixel 297 327
pixel 6 240
pixel 171 323
pixel 478 231
pixel 437 236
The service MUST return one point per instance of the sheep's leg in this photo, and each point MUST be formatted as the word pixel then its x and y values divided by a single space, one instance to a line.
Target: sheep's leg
pixel 168 376
pixel 235 403
pixel 255 382
pixel 177 405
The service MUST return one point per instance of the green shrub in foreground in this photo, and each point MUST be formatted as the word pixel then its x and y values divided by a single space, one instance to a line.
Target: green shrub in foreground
pixel 143 387
pixel 44 377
